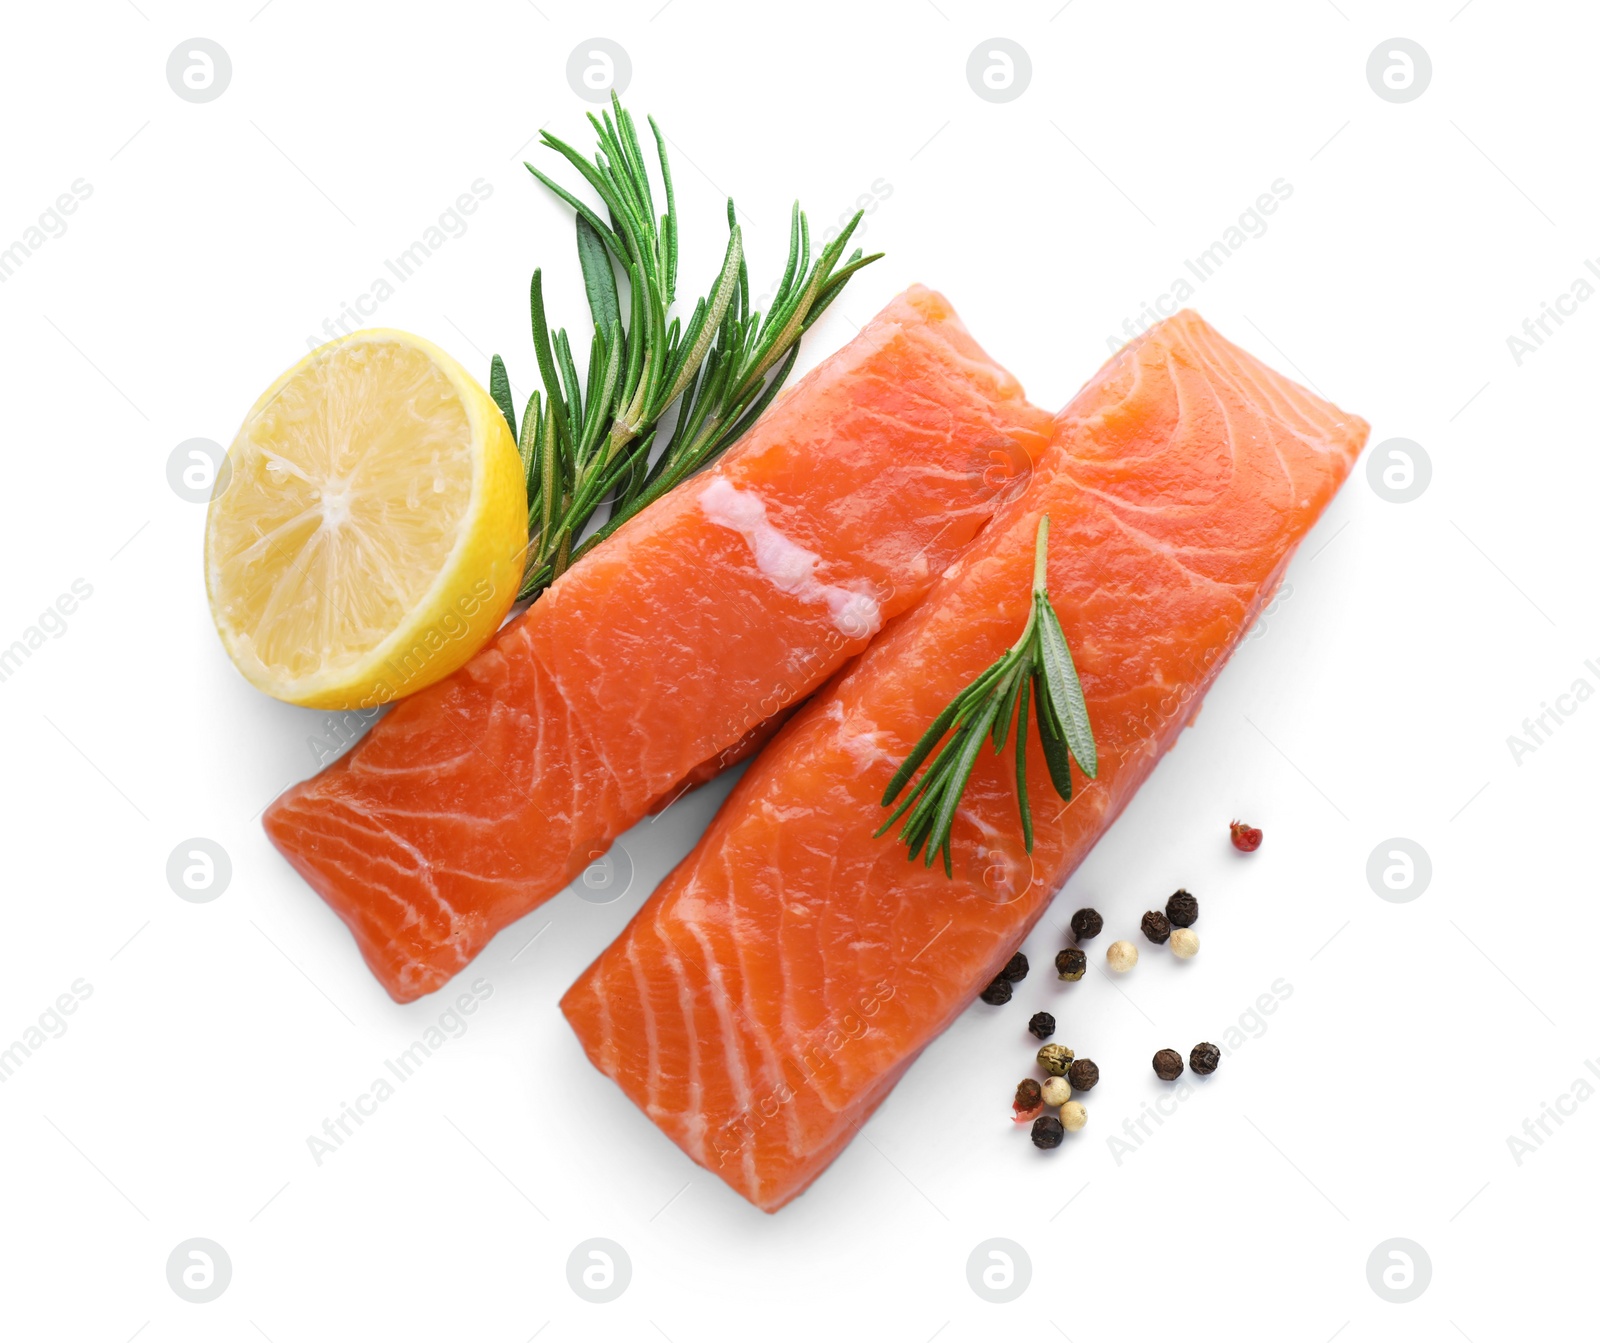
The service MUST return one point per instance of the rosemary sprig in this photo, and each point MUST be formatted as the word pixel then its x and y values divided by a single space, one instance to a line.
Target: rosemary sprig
pixel 586 441
pixel 1040 661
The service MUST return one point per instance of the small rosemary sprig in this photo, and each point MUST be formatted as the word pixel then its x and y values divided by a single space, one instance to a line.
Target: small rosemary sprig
pixel 1039 660
pixel 587 440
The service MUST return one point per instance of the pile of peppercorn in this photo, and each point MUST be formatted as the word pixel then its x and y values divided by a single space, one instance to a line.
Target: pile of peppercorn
pixel 1068 1073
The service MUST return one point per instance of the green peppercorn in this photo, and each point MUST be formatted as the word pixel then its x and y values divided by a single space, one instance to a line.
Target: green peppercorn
pixel 1042 1025
pixel 1182 909
pixel 1055 1059
pixel 1168 1064
pixel 1016 969
pixel 1070 964
pixel 1047 1132
pixel 998 992
pixel 1083 1074
pixel 1087 923
pixel 1156 926
pixel 1203 1059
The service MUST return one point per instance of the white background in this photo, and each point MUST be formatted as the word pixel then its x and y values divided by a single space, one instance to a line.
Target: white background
pixel 1412 640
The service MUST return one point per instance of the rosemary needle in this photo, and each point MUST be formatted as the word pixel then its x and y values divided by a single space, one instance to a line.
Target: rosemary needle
pixel 592 439
pixel 1039 662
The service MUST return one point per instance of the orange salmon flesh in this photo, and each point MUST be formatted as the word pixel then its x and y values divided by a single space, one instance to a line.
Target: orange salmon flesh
pixel 654 659
pixel 766 998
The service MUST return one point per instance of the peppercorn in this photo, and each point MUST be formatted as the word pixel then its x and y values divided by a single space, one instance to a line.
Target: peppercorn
pixel 1042 1025
pixel 1016 969
pixel 1185 942
pixel 1168 1064
pixel 1122 956
pixel 1182 909
pixel 1070 964
pixel 998 992
pixel 1054 1059
pixel 1046 1132
pixel 1073 1116
pixel 1087 923
pixel 1083 1074
pixel 1203 1058
pixel 1156 926
pixel 1246 838
pixel 1028 1101
pixel 1056 1091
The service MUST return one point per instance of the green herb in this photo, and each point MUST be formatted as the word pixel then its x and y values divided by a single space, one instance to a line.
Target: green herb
pixel 1040 661
pixel 592 440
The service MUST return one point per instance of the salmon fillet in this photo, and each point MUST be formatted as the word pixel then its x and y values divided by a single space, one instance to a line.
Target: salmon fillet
pixel 766 998
pixel 727 600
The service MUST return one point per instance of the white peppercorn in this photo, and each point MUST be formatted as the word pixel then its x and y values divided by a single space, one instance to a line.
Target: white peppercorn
pixel 1122 956
pixel 1056 1091
pixel 1073 1116
pixel 1184 943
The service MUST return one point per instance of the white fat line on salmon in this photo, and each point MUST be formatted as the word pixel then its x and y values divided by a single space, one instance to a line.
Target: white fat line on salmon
pixel 1537 1129
pixel 51 1025
pixel 1541 727
pixel 451 1024
pixel 1536 329
pixel 1250 1025
pixel 1251 224
pixel 789 567
pixel 737 1133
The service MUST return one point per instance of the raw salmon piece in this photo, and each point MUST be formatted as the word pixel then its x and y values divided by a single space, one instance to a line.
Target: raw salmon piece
pixel 769 994
pixel 727 600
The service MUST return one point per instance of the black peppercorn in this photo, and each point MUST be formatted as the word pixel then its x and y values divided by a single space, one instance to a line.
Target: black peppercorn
pixel 1182 909
pixel 1016 969
pixel 1070 964
pixel 1203 1058
pixel 1083 1074
pixel 1041 1025
pixel 1168 1064
pixel 1156 926
pixel 1087 923
pixel 999 991
pixel 1047 1132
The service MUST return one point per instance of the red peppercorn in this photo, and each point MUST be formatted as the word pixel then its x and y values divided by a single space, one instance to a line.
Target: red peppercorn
pixel 1246 838
pixel 1028 1103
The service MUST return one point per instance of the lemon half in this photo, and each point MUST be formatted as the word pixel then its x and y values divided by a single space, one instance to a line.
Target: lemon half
pixel 366 534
